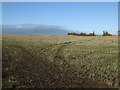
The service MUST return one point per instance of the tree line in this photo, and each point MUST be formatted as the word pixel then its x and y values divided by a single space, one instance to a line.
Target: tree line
pixel 105 33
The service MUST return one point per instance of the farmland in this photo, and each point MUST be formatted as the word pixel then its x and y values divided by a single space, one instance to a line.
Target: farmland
pixel 46 61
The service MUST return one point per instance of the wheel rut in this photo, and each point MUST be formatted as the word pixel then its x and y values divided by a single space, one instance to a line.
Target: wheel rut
pixel 36 72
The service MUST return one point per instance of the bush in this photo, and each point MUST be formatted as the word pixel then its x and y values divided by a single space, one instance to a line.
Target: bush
pixel 91 34
pixel 82 34
pixel 73 34
pixel 105 33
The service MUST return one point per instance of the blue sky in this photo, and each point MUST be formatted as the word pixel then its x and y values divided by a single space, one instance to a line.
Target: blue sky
pixel 75 16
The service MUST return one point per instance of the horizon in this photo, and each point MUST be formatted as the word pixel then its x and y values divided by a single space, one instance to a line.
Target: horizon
pixel 24 27
pixel 78 17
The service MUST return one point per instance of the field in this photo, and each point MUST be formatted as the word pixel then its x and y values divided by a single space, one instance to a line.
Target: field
pixel 46 61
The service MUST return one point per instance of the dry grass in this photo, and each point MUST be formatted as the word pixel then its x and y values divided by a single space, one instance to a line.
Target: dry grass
pixel 60 61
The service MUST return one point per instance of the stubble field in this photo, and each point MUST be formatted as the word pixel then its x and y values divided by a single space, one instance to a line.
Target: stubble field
pixel 46 61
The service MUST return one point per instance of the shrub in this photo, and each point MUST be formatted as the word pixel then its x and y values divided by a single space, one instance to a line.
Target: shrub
pixel 105 33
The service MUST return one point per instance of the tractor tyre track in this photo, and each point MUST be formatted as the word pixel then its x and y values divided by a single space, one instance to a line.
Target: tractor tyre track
pixel 36 72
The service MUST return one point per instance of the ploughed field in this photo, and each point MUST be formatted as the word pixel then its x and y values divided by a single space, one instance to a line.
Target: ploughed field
pixel 46 61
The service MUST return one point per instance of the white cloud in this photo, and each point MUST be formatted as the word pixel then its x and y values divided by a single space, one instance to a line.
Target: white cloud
pixel 18 26
pixel 34 29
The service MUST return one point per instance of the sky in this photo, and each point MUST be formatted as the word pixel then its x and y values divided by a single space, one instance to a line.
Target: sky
pixel 74 16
